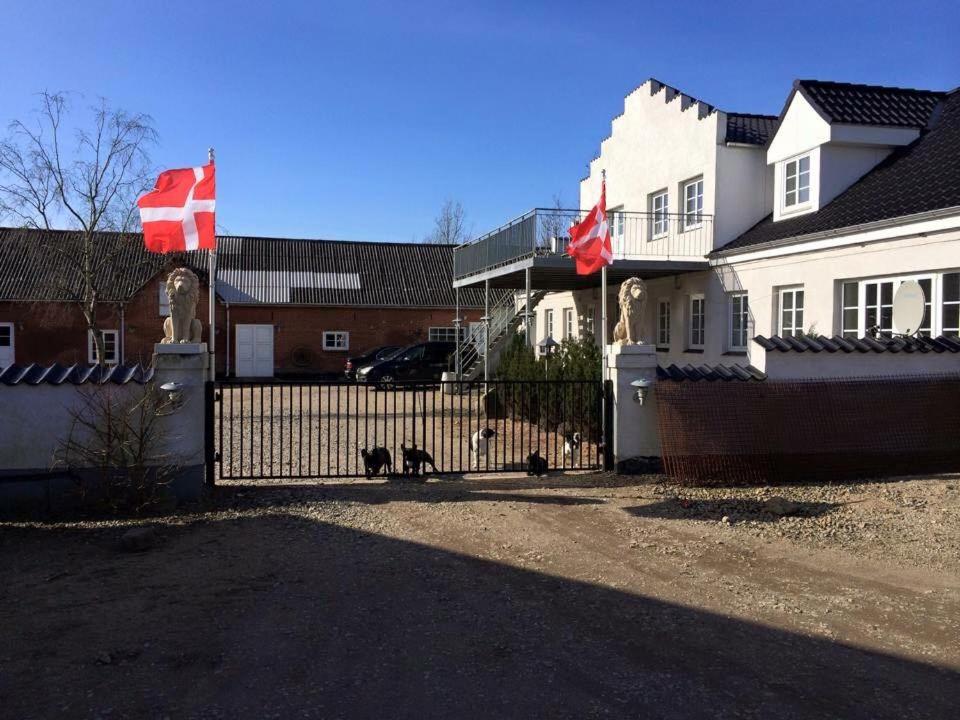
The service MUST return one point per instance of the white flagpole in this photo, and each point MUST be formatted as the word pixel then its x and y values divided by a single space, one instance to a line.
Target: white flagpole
pixel 603 301
pixel 212 301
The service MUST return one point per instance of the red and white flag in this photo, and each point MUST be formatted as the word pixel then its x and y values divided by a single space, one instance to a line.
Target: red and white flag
pixel 178 214
pixel 589 244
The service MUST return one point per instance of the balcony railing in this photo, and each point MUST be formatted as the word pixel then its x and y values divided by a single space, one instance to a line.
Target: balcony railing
pixel 544 231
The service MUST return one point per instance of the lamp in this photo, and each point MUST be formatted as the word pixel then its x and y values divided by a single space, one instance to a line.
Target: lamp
pixel 640 390
pixel 174 391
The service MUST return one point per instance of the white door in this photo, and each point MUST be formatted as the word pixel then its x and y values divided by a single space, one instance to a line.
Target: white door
pixel 6 344
pixel 254 350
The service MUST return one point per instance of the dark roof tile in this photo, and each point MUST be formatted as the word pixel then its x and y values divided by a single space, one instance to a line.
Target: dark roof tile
pixel 943 343
pixel 710 373
pixel 855 104
pixel 75 374
pixel 750 129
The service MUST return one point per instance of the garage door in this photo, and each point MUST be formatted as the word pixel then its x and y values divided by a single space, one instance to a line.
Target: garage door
pixel 254 350
pixel 6 344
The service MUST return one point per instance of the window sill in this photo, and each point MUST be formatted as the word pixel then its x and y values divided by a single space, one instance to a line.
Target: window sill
pixel 694 350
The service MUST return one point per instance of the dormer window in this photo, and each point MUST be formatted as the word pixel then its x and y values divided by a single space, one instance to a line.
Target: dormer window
pixel 796 182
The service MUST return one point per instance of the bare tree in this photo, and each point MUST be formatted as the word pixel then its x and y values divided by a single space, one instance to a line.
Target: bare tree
pixel 86 178
pixel 449 227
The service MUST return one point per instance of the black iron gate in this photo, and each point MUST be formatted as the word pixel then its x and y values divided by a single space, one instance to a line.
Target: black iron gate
pixel 290 429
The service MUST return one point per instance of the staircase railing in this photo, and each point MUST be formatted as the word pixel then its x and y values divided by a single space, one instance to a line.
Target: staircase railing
pixel 504 315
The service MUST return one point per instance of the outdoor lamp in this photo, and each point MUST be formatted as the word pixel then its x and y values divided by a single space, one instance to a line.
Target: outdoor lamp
pixel 640 390
pixel 174 391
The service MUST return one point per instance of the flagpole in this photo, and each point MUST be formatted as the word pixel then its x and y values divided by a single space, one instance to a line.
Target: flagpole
pixel 603 302
pixel 212 300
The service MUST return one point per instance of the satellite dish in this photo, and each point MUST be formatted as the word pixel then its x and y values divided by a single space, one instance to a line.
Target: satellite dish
pixel 908 308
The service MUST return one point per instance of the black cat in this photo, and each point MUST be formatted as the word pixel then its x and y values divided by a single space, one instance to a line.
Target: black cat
pixel 414 458
pixel 375 460
pixel 536 465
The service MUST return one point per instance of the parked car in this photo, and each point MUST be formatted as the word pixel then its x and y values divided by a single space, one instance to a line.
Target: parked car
pixel 423 362
pixel 353 364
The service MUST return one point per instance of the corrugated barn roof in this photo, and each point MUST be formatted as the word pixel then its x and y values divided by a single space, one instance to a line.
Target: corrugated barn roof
pixel 39 265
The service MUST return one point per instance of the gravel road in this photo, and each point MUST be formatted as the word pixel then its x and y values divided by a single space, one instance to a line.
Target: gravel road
pixel 493 597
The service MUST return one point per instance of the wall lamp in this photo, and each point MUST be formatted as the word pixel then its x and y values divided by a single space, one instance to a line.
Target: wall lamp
pixel 640 390
pixel 174 391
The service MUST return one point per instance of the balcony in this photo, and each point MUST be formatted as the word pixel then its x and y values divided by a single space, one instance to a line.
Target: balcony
pixel 644 244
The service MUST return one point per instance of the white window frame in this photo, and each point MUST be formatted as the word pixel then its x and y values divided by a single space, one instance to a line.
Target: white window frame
pixel 13 339
pixel 697 212
pixel 659 209
pixel 794 327
pixel 588 321
pixel 445 334
pixel 92 347
pixel 693 342
pixel 663 323
pixel 797 204
pixel 935 301
pixel 942 303
pixel 568 332
pixel 548 323
pixel 738 309
pixel 336 345
pixel 164 300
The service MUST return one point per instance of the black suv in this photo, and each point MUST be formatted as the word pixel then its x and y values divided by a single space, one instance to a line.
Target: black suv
pixel 423 362
pixel 353 364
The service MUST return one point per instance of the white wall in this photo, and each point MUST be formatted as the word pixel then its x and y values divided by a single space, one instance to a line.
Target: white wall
pixel 820 272
pixel 796 365
pixel 802 129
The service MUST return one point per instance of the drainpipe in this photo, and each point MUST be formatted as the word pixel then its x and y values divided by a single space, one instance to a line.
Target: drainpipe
pixel 123 336
pixel 227 349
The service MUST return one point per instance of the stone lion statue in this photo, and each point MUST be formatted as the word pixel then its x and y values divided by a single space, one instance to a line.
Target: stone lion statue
pixel 632 299
pixel 183 290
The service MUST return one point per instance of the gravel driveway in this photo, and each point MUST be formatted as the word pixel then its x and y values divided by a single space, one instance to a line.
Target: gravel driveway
pixel 494 597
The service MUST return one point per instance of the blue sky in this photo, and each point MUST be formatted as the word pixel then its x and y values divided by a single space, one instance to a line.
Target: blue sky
pixel 357 120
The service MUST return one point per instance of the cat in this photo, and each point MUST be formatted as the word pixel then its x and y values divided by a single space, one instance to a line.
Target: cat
pixel 536 465
pixel 375 460
pixel 414 458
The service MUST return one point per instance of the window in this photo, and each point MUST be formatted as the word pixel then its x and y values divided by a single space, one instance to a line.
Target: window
pixel 568 323
pixel 950 313
pixel 866 306
pixel 336 340
pixel 697 319
pixel 663 323
pixel 617 222
pixel 739 321
pixel 660 214
pixel 693 203
pixel 111 347
pixel 164 299
pixel 445 334
pixel 548 322
pixel 6 344
pixel 588 320
pixel 791 312
pixel 796 182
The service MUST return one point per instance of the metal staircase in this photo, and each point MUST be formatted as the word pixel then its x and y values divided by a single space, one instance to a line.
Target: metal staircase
pixel 504 321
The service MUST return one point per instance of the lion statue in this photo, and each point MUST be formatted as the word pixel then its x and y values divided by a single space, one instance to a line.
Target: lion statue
pixel 632 299
pixel 183 290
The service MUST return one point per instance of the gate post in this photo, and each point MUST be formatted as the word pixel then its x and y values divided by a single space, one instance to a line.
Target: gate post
pixel 209 449
pixel 636 435
pixel 608 426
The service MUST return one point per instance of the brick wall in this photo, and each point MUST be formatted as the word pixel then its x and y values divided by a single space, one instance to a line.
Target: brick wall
pixel 56 332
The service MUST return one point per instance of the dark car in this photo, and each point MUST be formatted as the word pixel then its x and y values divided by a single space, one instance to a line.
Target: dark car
pixel 353 364
pixel 423 362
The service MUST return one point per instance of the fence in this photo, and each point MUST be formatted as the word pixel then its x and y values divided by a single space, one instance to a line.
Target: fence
pixel 275 430
pixel 809 431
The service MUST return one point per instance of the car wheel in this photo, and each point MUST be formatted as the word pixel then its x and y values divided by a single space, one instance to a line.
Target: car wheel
pixel 386 382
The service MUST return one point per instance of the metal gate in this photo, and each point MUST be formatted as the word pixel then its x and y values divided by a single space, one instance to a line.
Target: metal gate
pixel 291 430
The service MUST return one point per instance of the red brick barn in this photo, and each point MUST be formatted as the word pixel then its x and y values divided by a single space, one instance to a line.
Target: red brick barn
pixel 285 307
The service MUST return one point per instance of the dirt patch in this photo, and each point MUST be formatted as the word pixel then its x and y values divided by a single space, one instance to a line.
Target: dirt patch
pixel 589 596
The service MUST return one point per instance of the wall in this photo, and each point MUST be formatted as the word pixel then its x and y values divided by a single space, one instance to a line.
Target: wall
pixel 803 365
pixel 654 144
pixel 303 327
pixel 819 273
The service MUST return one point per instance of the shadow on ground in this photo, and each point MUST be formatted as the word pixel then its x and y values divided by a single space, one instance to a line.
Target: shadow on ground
pixel 736 509
pixel 283 616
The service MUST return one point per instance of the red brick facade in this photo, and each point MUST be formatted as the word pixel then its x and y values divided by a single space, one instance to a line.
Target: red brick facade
pixel 56 332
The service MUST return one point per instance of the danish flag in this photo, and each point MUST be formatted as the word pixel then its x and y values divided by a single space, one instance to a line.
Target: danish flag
pixel 178 214
pixel 589 244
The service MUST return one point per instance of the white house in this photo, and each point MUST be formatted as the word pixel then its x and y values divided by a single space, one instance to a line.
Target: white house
pixel 753 225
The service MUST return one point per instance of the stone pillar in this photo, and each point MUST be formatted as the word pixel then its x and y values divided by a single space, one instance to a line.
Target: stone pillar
pixel 185 364
pixel 636 437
